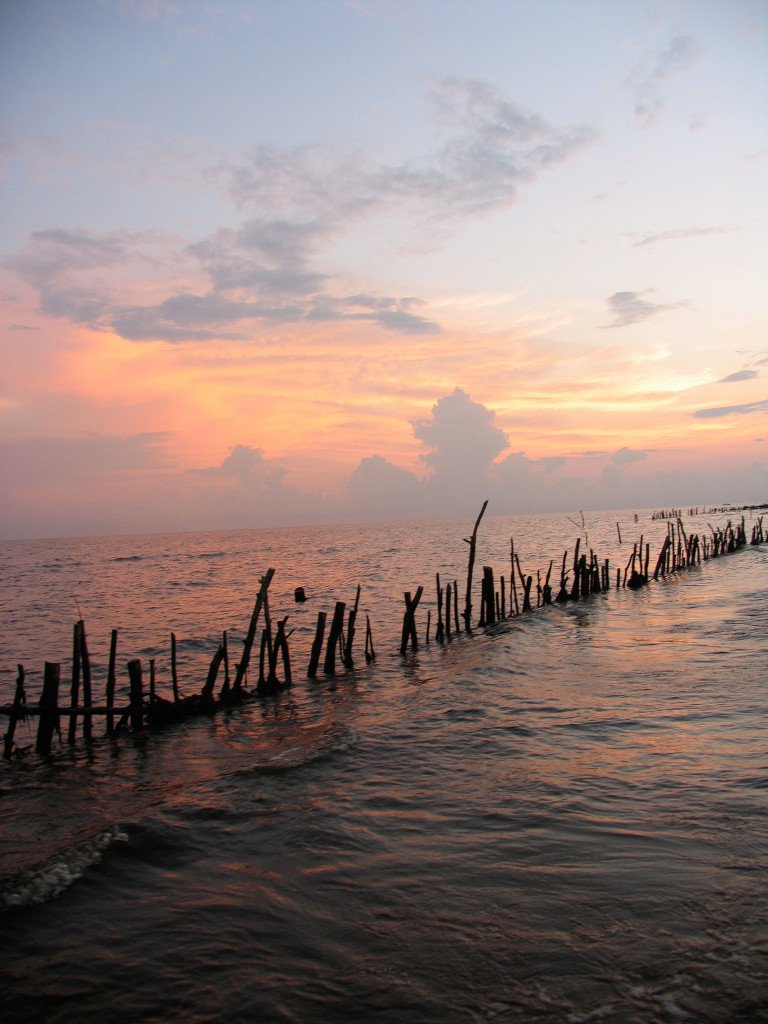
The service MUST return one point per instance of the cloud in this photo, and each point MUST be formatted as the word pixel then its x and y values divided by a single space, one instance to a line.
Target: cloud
pixel 462 437
pixel 248 465
pixel 680 233
pixel 631 308
pixel 625 456
pixel 739 375
pixel 491 147
pixel 731 410
pixel 298 200
pixel 681 54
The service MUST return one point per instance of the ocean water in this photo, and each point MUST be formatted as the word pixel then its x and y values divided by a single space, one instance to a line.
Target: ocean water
pixel 562 818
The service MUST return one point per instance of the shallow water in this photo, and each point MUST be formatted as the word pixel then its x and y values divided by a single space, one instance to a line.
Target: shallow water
pixel 562 818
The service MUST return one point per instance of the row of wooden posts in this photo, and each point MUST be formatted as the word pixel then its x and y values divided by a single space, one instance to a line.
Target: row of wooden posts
pixel 582 577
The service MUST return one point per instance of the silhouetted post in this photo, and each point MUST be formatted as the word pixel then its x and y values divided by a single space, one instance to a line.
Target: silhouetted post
pixel 226 688
pixel 448 594
pixel 512 582
pixel 213 671
pixel 619 532
pixel 75 688
pixel 137 694
pixel 337 626
pixel 49 709
pixel 152 681
pixel 546 593
pixel 503 610
pixel 85 660
pixel 16 715
pixel 409 621
pixel 111 678
pixel 281 644
pixel 456 604
pixel 348 662
pixel 472 541
pixel 317 645
pixel 174 674
pixel 440 631
pixel 488 598
pixel 261 598
pixel 370 654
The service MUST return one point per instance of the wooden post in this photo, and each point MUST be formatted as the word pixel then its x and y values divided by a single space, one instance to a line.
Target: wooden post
pixel 456 604
pixel 503 611
pixel 281 644
pixel 448 592
pixel 85 661
pixel 137 695
pixel 488 602
pixel 49 709
pixel 337 625
pixel 111 683
pixel 512 582
pixel 370 654
pixel 348 662
pixel 440 631
pixel 409 621
pixel 16 715
pixel 174 674
pixel 546 594
pixel 75 688
pixel 242 668
pixel 317 645
pixel 152 681
pixel 472 541
pixel 213 671
pixel 429 626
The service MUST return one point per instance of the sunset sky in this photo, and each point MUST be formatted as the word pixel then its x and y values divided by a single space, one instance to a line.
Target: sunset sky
pixel 267 262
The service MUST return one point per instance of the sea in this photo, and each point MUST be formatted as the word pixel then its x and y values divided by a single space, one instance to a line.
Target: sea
pixel 560 818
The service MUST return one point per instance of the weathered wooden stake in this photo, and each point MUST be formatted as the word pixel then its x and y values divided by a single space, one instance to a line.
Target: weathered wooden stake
pixel 370 654
pixel 85 660
pixel 16 715
pixel 174 674
pixel 409 621
pixel 348 662
pixel 440 631
pixel 512 582
pixel 111 678
pixel 75 688
pixel 49 710
pixel 261 597
pixel 317 645
pixel 337 626
pixel 137 695
pixel 472 541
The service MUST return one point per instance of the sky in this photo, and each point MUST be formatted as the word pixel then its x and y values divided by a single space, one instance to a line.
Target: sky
pixel 275 262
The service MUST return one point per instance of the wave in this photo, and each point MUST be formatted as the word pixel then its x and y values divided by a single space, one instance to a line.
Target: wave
pixel 127 558
pixel 48 882
pixel 312 744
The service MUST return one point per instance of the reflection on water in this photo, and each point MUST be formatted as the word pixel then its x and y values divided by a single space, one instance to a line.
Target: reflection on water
pixel 562 819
